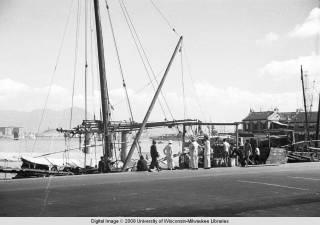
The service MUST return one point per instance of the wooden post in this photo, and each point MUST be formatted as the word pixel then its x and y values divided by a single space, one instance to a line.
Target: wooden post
pixel 183 136
pixel 237 137
pixel 123 154
pixel 145 120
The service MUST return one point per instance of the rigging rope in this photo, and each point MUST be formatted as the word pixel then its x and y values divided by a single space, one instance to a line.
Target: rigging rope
pixel 193 83
pixel 135 38
pixel 139 90
pixel 92 58
pixel 146 57
pixel 165 19
pixel 182 80
pixel 119 62
pixel 53 73
pixel 75 62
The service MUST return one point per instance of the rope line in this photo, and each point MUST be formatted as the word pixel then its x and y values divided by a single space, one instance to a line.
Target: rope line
pixel 75 62
pixel 182 80
pixel 135 38
pixel 165 18
pixel 147 60
pixel 54 72
pixel 119 62
pixel 192 82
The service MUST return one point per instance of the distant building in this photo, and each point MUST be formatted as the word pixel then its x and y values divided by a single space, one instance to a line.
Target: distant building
pixel 11 132
pixel 260 122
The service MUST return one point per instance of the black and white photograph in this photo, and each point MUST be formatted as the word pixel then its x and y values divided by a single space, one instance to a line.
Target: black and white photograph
pixel 159 111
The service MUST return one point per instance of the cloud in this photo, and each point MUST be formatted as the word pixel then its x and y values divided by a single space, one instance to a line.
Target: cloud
pixel 18 96
pixel 310 27
pixel 268 39
pixel 205 101
pixel 286 69
pixel 231 102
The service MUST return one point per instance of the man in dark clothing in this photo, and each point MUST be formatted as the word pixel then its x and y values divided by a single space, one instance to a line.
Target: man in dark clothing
pixel 154 156
pixel 247 152
pixel 102 165
pixel 142 164
pixel 184 159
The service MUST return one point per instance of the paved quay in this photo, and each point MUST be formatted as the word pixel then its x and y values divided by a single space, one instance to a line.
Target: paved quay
pixel 284 190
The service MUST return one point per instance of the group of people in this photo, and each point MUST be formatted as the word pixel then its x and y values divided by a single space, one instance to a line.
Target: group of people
pixel 142 163
pixel 191 159
pixel 248 152
pixel 185 160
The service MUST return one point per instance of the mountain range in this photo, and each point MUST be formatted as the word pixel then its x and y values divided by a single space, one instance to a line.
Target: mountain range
pixel 32 120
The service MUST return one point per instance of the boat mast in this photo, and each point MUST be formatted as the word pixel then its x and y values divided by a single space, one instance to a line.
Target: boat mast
pixel 305 106
pixel 318 122
pixel 85 85
pixel 135 142
pixel 103 81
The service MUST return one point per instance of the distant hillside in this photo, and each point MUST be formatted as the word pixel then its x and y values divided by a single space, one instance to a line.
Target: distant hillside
pixel 30 120
pixel 55 119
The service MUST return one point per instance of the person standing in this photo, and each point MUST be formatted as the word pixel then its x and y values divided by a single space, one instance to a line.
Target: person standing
pixel 226 149
pixel 102 165
pixel 169 155
pixel 194 153
pixel 207 153
pixel 154 156
pixel 257 155
pixel 247 152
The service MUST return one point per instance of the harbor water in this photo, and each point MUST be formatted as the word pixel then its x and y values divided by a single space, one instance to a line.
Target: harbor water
pixel 52 149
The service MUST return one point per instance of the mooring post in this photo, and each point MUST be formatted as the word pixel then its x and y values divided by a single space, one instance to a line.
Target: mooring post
pixel 123 154
pixel 183 136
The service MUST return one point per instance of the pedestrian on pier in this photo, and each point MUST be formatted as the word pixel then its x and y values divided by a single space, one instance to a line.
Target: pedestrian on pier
pixel 247 152
pixel 154 156
pixel 257 155
pixel 194 153
pixel 169 155
pixel 101 165
pixel 226 151
pixel 207 153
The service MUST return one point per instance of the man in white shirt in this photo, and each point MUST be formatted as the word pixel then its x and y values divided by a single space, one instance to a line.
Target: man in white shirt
pixel 226 149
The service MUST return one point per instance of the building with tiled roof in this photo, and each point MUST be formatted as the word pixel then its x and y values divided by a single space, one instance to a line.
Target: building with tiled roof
pixel 259 122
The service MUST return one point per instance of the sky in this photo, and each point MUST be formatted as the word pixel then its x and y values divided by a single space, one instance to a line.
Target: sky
pixel 236 56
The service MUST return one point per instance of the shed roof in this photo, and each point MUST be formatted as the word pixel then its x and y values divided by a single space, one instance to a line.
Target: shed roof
pixel 300 117
pixel 258 115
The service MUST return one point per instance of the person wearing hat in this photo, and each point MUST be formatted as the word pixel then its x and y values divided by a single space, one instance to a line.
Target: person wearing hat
pixel 154 156
pixel 169 155
pixel 194 153
pixel 207 153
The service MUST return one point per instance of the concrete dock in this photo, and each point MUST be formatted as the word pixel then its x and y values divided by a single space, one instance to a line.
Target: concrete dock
pixel 284 190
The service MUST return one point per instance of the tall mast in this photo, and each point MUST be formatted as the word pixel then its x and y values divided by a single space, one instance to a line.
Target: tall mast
pixel 305 106
pixel 145 120
pixel 85 83
pixel 103 80
pixel 318 122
